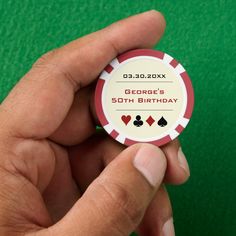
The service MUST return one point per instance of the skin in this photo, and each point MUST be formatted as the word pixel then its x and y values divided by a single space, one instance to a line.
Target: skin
pixel 59 176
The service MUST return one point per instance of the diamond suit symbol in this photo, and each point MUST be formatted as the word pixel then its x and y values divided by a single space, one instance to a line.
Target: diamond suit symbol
pixel 150 120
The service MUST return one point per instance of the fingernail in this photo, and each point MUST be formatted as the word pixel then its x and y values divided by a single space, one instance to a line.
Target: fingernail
pixel 168 228
pixel 182 161
pixel 150 162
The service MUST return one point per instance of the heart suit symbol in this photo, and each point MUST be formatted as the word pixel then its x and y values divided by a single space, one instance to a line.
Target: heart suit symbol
pixel 126 119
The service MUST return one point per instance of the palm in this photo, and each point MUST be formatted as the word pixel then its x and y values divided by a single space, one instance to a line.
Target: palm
pixel 52 141
pixel 65 171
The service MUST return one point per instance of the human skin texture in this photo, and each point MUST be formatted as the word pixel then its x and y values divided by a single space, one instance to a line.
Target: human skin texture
pixel 58 174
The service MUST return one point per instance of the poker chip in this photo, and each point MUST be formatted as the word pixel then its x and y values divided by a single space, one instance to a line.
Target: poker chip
pixel 144 96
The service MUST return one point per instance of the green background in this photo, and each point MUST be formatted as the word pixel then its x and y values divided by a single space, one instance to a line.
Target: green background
pixel 200 34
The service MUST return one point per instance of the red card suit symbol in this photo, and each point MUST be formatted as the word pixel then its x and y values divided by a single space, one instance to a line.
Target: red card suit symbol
pixel 150 120
pixel 126 119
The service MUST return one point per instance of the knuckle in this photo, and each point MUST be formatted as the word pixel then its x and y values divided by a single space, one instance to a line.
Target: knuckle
pixel 123 202
pixel 45 59
pixel 51 63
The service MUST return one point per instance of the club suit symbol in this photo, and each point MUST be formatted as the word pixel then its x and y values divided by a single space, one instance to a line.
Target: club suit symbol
pixel 138 122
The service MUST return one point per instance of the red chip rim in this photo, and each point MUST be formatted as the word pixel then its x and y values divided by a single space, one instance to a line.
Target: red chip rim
pixel 174 63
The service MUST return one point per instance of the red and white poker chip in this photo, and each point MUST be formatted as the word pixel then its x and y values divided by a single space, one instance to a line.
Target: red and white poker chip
pixel 118 119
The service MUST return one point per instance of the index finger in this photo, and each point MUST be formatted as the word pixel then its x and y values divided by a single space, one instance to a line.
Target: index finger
pixel 39 103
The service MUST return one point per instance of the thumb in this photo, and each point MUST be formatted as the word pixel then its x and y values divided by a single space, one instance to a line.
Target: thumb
pixel 115 202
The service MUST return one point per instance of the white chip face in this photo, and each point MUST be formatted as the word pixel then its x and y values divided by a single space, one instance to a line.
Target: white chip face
pixel 144 98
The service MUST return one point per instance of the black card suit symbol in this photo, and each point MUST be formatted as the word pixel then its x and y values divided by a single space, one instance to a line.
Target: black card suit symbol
pixel 138 122
pixel 162 122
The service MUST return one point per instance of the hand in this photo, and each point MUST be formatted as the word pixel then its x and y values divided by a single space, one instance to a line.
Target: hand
pixel 58 175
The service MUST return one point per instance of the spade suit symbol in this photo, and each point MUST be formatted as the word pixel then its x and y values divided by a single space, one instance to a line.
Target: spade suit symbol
pixel 162 122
